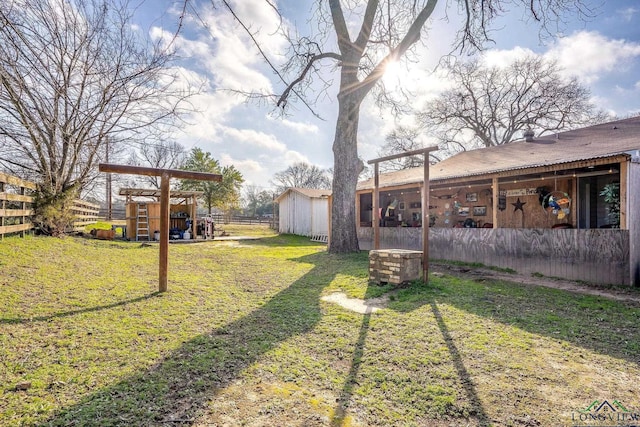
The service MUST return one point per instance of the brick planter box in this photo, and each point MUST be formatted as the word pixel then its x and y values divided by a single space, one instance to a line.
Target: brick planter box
pixel 395 266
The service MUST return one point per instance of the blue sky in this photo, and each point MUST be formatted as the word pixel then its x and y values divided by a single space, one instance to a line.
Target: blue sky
pixel 603 52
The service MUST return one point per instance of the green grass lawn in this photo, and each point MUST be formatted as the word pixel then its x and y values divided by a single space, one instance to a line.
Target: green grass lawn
pixel 242 338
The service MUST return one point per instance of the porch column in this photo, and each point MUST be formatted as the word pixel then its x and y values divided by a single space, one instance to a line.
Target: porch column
pixel 194 219
pixel 624 174
pixel 494 208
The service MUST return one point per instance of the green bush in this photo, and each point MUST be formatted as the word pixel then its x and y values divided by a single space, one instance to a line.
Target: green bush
pixel 52 210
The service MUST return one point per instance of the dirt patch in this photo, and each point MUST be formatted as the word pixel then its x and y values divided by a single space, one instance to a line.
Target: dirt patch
pixel 355 304
pixel 479 274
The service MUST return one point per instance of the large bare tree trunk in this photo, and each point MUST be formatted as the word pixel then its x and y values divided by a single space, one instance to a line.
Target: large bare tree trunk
pixel 388 30
pixel 347 168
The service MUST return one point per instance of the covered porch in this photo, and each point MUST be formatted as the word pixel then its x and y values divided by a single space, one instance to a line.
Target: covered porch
pixel 550 220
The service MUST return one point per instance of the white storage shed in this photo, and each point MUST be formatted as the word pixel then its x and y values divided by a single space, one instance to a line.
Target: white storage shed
pixel 305 212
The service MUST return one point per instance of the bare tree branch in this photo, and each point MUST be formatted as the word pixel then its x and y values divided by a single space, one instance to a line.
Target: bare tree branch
pixel 491 106
pixel 302 175
pixel 383 36
pixel 266 58
pixel 72 75
pixel 285 94
pixel 410 38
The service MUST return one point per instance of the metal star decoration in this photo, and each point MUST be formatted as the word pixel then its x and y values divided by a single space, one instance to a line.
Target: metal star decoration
pixel 518 205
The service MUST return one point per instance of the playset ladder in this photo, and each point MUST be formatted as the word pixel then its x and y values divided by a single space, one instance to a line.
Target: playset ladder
pixel 142 227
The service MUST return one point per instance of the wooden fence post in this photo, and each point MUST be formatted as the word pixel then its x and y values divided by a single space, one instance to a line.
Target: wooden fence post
pixel 2 209
pixel 8 202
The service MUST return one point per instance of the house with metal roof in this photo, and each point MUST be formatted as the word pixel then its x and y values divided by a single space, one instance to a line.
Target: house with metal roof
pixel 305 212
pixel 565 205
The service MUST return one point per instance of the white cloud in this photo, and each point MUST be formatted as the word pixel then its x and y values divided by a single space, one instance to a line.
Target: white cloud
pixel 588 54
pixel 213 43
pixel 637 85
pixel 628 13
pixel 299 127
pixel 197 49
pixel 252 171
pixel 228 52
pixel 255 139
pixel 212 110
pixel 186 79
pixel 197 131
pixel 248 165
pixel 620 90
pixel 292 157
pixel 265 24
pixel 504 58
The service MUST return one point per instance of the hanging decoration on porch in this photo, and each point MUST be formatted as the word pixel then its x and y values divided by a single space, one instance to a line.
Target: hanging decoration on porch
pixel 502 200
pixel 447 196
pixel 518 205
pixel 555 202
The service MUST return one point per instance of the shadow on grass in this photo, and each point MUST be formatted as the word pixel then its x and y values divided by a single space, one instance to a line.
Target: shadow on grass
pixel 465 379
pixel 20 320
pixel 406 302
pixel 282 240
pixel 340 413
pixel 344 400
pixel 556 314
pixel 594 323
pixel 177 390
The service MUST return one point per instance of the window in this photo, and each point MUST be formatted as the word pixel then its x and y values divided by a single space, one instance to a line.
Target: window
pixel 593 211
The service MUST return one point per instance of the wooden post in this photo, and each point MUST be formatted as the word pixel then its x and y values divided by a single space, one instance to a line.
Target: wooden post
pixel 425 203
pixel 23 219
pixel 425 220
pixel 375 221
pixel 164 232
pixel 192 213
pixel 329 209
pixel 165 176
pixel 3 207
pixel 109 201
pixel 624 178
pixel 496 196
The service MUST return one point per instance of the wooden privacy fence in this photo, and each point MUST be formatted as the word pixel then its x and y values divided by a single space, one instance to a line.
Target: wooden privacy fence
pixel 593 255
pixel 16 207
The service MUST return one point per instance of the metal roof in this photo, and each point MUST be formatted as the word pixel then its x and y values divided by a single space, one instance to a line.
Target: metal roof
pixel 152 192
pixel 312 193
pixel 590 143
